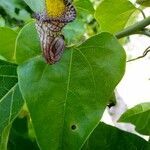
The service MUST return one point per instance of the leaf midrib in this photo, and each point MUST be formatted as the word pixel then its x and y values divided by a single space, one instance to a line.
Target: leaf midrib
pixel 8 93
pixel 67 91
pixel 8 76
pixel 137 113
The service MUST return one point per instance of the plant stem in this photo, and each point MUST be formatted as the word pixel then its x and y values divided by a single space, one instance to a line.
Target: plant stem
pixel 142 12
pixel 145 32
pixel 134 29
pixel 144 54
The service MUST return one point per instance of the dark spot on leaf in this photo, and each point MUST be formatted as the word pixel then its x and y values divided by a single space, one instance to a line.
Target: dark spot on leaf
pixel 73 127
pixel 111 104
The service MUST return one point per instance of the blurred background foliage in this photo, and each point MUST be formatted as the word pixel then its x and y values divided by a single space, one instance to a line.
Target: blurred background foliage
pixel 14 13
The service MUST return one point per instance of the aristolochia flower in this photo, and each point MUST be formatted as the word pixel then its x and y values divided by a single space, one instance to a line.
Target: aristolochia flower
pixel 49 25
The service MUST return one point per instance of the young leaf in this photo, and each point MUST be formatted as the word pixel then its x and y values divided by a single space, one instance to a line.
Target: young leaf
pixel 113 16
pixel 27 44
pixel 7 43
pixel 84 5
pixel 10 97
pixel 74 32
pixel 139 116
pixel 110 138
pixel 66 100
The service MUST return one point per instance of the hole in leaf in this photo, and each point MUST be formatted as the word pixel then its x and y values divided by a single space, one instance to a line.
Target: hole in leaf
pixel 73 127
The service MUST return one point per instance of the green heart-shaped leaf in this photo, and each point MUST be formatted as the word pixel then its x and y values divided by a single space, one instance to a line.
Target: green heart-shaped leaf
pixel 66 100
pixel 7 43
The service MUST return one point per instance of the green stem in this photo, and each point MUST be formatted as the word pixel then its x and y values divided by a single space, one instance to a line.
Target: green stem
pixel 142 12
pixel 134 29
pixel 145 32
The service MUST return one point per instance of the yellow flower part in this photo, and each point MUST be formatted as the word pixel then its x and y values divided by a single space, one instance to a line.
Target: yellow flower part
pixel 55 8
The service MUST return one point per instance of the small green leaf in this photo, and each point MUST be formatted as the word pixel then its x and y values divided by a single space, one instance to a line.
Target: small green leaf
pixel 10 97
pixel 36 5
pixel 84 5
pixel 106 137
pixel 27 44
pixel 7 43
pixel 74 32
pixel 139 116
pixel 66 100
pixel 113 16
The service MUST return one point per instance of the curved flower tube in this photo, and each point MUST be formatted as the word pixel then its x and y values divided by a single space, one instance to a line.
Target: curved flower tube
pixel 49 25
